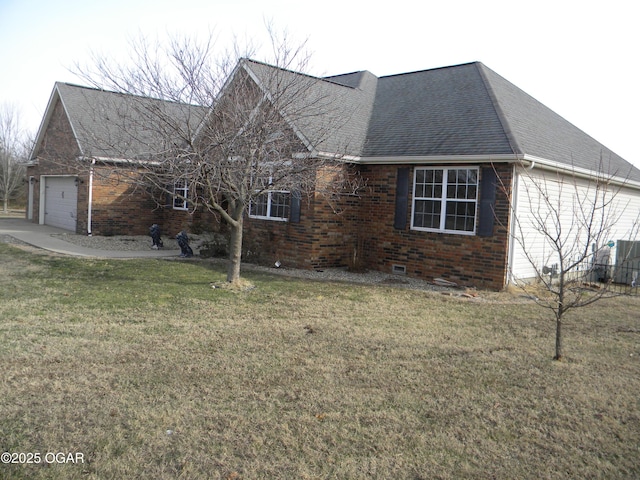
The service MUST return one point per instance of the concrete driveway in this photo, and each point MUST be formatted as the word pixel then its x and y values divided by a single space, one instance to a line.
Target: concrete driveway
pixel 42 236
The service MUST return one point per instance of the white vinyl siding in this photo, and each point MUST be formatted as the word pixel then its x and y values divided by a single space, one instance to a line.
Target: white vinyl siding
pixel 567 194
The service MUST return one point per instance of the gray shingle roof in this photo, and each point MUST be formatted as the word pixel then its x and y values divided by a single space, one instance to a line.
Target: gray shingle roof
pixel 540 132
pixel 453 111
pixel 471 110
pixel 115 125
pixel 332 114
pixel 446 111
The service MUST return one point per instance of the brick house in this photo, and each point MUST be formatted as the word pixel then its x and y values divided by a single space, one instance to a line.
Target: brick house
pixel 446 153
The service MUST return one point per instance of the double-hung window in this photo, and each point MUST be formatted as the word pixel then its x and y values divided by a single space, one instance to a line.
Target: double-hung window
pixel 271 205
pixel 180 195
pixel 445 200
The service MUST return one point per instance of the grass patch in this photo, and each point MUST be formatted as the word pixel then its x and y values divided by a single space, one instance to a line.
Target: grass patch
pixel 150 373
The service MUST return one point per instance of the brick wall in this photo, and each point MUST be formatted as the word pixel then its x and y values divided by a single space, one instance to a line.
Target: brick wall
pixel 364 231
pixel 325 236
pixel 465 259
pixel 198 221
pixel 58 155
pixel 119 206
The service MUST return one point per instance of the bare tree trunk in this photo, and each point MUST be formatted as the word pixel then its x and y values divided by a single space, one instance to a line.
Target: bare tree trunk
pixel 560 312
pixel 558 339
pixel 235 251
pixel 219 127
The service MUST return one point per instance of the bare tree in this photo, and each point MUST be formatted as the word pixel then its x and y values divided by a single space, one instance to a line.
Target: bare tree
pixel 564 230
pixel 232 134
pixel 13 154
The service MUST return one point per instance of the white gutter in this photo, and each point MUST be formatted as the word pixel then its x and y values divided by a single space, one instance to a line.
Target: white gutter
pixel 126 161
pixel 337 156
pixel 529 162
pixel 512 225
pixel 424 159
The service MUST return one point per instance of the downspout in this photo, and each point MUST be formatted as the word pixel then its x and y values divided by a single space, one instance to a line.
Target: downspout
pixel 90 202
pixel 512 223
pixel 513 230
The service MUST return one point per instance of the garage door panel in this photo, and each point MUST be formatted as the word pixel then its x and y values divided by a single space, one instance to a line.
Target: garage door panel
pixel 61 202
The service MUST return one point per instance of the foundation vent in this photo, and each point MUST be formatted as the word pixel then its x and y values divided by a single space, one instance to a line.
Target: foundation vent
pixel 399 269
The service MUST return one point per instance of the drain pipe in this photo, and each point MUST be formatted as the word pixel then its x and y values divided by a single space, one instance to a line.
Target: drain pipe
pixel 90 202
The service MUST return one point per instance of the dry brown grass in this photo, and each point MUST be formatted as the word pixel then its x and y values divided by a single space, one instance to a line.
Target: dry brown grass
pixel 151 373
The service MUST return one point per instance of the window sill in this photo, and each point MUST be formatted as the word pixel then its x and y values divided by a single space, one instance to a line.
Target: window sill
pixel 274 219
pixel 447 232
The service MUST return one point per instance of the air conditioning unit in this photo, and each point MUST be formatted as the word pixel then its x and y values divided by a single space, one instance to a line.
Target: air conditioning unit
pixel 627 262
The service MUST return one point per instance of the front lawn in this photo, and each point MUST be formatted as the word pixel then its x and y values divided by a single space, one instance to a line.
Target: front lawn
pixel 147 372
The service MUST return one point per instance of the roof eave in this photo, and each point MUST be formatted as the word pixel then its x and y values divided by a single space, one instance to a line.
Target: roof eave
pixel 55 95
pixel 117 160
pixel 531 161
pixel 439 159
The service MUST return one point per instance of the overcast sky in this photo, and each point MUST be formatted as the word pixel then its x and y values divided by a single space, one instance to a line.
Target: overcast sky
pixel 577 57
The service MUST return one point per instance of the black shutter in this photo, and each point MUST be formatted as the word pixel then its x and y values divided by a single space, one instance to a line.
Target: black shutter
pixel 294 208
pixel 402 199
pixel 488 181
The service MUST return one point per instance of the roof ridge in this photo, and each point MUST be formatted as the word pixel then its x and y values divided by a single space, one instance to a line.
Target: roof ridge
pixel 141 96
pixel 303 74
pixel 431 69
pixel 511 138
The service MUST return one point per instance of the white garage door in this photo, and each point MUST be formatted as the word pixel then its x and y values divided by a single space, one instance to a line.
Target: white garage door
pixel 61 202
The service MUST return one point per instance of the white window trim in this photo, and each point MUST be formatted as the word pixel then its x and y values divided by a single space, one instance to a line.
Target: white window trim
pixel 184 193
pixel 443 199
pixel 269 194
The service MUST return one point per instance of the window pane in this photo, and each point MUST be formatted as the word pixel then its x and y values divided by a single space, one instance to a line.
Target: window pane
pixel 279 205
pixel 428 191
pixel 460 216
pixel 427 214
pixel 259 206
pixel 180 193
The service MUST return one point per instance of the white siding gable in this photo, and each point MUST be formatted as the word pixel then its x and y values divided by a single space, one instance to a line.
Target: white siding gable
pixel 563 205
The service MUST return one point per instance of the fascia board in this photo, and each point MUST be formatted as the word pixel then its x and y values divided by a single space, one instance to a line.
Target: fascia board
pixel 305 141
pixel 122 161
pixel 220 94
pixel 73 128
pixel 55 95
pixel 438 159
pixel 550 165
